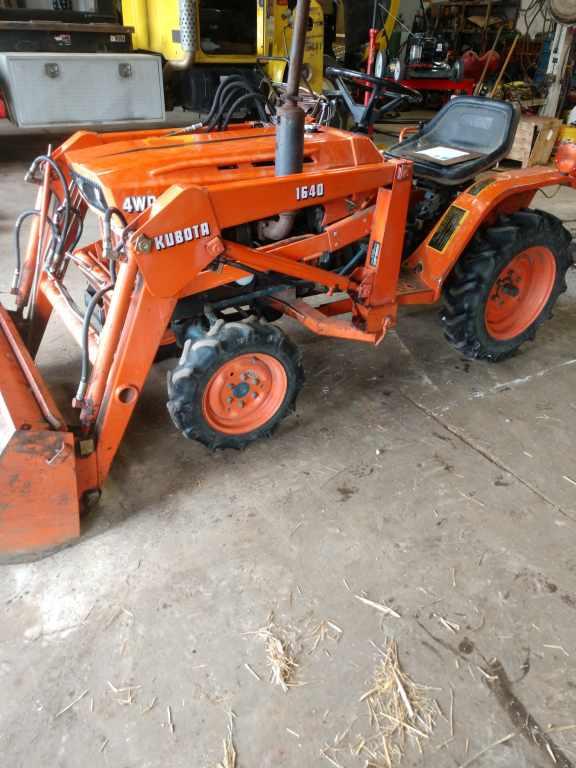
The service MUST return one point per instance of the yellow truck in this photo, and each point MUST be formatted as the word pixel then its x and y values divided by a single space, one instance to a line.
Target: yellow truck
pixel 89 62
pixel 202 40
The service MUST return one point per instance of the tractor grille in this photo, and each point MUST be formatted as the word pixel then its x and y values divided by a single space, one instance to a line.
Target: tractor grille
pixel 447 227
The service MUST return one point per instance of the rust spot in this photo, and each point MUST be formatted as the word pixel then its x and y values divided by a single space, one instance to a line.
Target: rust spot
pixel 43 444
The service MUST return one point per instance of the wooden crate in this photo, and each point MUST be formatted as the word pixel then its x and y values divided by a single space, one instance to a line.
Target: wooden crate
pixel 534 140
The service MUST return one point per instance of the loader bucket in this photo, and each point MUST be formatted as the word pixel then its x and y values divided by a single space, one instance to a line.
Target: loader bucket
pixel 39 508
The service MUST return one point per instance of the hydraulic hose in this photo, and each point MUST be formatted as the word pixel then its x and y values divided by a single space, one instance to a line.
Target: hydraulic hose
pixel 65 191
pixel 256 97
pixel 236 80
pixel 231 90
pixel 230 83
pixel 76 213
pixel 86 340
pixel 107 250
pixel 17 228
pixel 231 96
pixel 97 298
pixel 358 256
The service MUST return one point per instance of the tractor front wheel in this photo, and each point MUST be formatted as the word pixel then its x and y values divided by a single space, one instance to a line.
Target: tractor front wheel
pixel 235 384
pixel 505 284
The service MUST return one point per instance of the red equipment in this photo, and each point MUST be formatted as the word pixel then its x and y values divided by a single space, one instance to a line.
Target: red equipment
pixel 446 86
pixel 475 66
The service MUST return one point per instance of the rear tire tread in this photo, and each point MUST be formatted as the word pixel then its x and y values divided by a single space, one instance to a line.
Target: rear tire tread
pixel 467 288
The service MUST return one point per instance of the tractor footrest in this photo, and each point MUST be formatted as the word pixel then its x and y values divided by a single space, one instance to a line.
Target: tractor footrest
pixel 411 284
pixel 39 508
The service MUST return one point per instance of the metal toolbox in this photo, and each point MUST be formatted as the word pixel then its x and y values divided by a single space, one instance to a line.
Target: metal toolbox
pixel 43 89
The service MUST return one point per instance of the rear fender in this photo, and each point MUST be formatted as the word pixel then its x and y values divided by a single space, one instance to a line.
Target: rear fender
pixel 478 206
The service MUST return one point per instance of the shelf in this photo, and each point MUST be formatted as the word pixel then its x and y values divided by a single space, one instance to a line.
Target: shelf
pixel 463 3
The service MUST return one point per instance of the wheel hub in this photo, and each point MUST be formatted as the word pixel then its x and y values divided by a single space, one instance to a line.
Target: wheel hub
pixel 520 292
pixel 511 286
pixel 241 390
pixel 244 393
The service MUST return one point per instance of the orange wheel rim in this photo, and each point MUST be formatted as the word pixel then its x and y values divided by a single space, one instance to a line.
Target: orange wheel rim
pixel 520 293
pixel 245 393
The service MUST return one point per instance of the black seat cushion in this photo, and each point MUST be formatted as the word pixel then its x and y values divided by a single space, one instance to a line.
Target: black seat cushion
pixel 481 127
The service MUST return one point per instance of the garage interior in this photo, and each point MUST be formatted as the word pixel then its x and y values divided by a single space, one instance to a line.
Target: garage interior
pixel 387 579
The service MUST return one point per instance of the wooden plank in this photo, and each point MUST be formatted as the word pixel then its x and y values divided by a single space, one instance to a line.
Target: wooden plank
pixel 522 145
pixel 534 140
pixel 544 143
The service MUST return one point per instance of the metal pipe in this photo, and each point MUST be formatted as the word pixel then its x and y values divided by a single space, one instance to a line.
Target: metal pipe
pixel 290 129
pixel 297 50
pixel 94 272
pixel 277 229
pixel 188 32
pixel 61 305
pixel 34 242
pixel 505 65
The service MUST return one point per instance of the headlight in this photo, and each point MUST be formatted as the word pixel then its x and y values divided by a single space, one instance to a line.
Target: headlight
pixel 91 192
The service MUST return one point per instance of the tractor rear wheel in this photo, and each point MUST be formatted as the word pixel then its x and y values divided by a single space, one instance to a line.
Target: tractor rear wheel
pixel 235 384
pixel 505 285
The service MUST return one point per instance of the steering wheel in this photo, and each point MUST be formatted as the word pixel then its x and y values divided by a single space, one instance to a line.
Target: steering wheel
pixel 384 86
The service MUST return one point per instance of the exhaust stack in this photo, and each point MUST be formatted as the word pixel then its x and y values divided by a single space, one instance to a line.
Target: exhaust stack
pixel 188 15
pixel 290 128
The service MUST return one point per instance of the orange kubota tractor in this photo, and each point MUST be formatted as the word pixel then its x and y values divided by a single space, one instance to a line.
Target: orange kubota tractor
pixel 209 235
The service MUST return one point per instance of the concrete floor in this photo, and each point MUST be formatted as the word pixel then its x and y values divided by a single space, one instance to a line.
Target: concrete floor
pixel 444 488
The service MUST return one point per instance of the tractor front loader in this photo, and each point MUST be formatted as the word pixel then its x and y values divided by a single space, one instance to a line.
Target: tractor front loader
pixel 209 236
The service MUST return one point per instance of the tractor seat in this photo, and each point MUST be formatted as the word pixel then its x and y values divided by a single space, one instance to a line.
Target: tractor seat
pixel 469 135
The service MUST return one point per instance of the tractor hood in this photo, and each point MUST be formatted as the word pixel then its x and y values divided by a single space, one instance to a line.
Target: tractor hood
pixel 130 171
